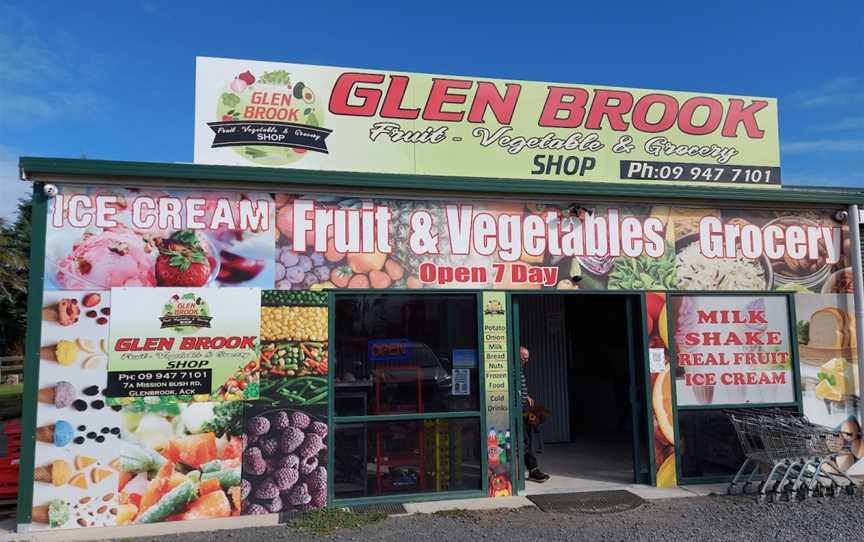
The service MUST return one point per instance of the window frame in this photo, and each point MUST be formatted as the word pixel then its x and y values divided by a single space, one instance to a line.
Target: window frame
pixel 335 420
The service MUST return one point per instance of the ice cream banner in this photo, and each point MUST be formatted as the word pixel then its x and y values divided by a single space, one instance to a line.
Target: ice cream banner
pixel 348 119
pixel 496 369
pixel 184 342
pixel 731 350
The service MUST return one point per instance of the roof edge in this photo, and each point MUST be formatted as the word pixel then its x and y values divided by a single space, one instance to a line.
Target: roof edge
pixel 33 167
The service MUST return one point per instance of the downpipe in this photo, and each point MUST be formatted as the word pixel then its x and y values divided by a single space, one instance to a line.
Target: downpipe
pixel 853 221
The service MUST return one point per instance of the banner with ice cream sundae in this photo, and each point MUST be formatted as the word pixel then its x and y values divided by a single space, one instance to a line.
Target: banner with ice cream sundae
pixel 732 350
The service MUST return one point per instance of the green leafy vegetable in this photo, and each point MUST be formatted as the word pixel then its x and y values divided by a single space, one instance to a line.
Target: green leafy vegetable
pixel 278 77
pixel 228 419
pixel 643 273
pixel 230 100
pixel 254 153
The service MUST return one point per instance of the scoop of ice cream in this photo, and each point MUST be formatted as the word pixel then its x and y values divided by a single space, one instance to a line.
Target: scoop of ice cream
pixel 115 257
pixel 63 433
pixel 64 394
pixel 66 352
pixel 58 513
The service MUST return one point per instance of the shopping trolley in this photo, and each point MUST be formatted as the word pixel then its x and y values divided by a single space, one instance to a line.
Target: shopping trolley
pixel 786 454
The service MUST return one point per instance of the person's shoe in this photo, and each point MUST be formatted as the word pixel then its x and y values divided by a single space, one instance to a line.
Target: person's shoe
pixel 537 476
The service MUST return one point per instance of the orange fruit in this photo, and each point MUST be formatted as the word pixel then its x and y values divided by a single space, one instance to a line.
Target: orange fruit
pixel 661 397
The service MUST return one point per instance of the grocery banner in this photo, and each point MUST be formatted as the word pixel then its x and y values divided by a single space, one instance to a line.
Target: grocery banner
pixel 252 113
pixel 184 342
pixel 499 446
pixel 731 350
pixel 100 238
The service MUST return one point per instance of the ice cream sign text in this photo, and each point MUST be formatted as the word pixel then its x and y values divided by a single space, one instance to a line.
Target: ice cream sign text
pixel 163 212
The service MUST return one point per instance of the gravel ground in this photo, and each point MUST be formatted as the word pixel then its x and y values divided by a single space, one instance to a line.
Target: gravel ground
pixel 697 518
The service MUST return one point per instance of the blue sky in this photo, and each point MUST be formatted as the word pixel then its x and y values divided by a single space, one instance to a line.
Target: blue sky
pixel 115 79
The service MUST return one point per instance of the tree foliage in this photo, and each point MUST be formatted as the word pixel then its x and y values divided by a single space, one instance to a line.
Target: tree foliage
pixel 14 270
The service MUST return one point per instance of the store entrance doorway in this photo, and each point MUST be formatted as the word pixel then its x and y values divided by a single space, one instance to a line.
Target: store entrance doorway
pixel 589 424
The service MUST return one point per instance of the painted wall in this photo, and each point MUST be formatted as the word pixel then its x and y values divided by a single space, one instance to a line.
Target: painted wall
pixel 104 238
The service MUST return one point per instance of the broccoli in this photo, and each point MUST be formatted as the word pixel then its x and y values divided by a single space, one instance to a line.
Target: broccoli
pixel 228 420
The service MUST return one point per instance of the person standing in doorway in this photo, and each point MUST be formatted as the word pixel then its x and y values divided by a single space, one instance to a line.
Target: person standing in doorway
pixel 534 473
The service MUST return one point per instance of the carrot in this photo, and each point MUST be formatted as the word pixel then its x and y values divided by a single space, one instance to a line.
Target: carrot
pixel 358 281
pixel 379 279
pixel 331 255
pixel 395 269
pixel 340 276
pixel 209 486
pixel 306 350
pixel 166 471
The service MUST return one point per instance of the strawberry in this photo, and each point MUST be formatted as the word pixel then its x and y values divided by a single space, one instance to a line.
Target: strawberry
pixel 247 77
pixel 182 261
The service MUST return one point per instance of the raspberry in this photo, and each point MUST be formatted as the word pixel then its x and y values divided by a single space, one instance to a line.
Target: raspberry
pixel 308 465
pixel 265 490
pixel 285 478
pixel 300 420
pixel 319 499
pixel 253 509
pixel 258 425
pixel 253 461
pixel 273 505
pixel 245 489
pixel 317 480
pixel 312 444
pixel 299 495
pixel 280 421
pixel 291 438
pixel 269 446
pixel 318 428
pixel 290 461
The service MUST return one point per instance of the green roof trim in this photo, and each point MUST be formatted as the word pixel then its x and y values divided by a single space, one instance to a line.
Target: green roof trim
pixel 118 172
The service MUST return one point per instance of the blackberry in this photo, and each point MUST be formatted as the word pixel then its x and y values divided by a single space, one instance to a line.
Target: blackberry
pixel 258 425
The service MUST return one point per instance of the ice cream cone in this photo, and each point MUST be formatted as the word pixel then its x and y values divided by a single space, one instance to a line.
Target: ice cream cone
pixel 46 395
pixel 56 473
pixel 50 313
pixel 42 474
pixel 45 434
pixel 40 514
pixel 49 352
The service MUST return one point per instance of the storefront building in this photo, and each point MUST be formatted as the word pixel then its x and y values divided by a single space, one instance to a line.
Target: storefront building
pixel 328 307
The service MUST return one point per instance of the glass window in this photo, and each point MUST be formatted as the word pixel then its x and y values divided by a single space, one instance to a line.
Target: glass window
pixel 395 354
pixel 708 444
pixel 418 456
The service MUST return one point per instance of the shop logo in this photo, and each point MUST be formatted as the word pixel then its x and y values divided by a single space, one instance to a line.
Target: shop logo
pixel 185 314
pixel 493 306
pixel 269 119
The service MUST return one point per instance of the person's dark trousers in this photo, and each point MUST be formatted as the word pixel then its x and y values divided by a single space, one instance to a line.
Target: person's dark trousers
pixel 530 460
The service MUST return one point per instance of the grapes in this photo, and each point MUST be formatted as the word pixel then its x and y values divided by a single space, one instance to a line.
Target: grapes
pixel 317 259
pixel 280 271
pixel 322 272
pixel 305 264
pixel 288 258
pixel 310 279
pixel 295 274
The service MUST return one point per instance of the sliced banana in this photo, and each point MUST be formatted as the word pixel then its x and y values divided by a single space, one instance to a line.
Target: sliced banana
pixel 92 362
pixel 103 344
pixel 86 345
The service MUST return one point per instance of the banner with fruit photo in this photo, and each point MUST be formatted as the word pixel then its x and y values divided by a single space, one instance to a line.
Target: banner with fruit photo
pixel 663 435
pixel 830 390
pixel 99 238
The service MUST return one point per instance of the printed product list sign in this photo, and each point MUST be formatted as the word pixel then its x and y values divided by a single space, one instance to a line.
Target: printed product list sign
pixel 184 342
pixel 498 438
pixel 732 350
pixel 337 119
